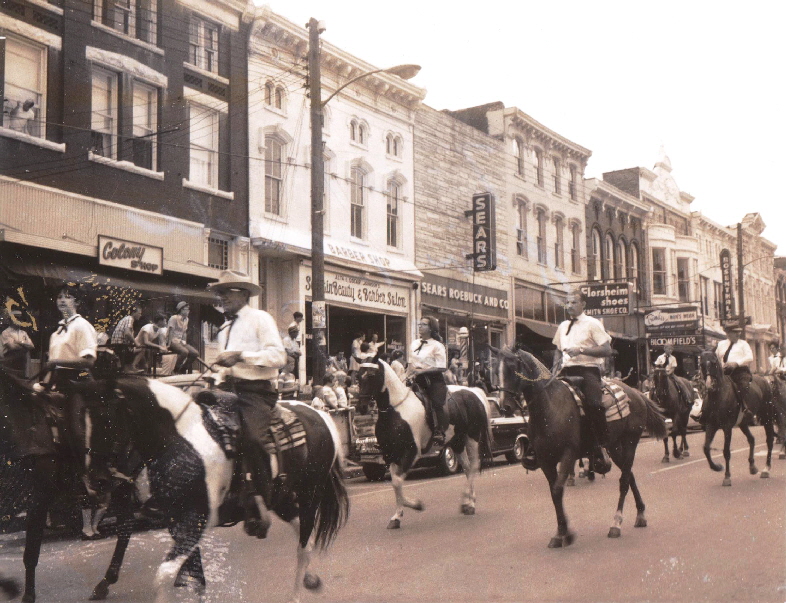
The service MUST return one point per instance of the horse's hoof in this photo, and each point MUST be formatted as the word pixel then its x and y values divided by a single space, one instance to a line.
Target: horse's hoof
pixel 100 591
pixel 418 506
pixel 727 481
pixel 782 455
pixel 467 509
pixel 312 581
pixel 615 532
pixel 590 476
pixel 556 542
pixel 394 524
pixel 10 587
pixel 765 474
pixel 28 597
pixel 665 459
pixel 640 523
pixel 568 538
pixel 715 467
pixel 685 453
pixel 582 473
pixel 754 469
pixel 570 482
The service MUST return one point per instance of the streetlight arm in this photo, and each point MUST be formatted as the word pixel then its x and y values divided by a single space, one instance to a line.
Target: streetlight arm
pixel 405 72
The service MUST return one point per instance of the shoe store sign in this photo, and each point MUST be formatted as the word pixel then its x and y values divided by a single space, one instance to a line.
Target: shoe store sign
pixel 607 299
pixel 129 255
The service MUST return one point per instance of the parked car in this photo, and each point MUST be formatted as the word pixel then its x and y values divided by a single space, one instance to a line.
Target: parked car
pixel 509 430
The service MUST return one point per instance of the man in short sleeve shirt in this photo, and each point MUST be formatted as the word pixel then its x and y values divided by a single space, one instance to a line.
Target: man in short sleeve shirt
pixel 736 357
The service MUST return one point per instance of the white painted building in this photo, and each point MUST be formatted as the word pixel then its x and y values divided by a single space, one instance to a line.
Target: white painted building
pixel 369 210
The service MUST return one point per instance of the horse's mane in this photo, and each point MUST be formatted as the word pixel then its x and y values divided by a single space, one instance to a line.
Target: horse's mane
pixel 397 390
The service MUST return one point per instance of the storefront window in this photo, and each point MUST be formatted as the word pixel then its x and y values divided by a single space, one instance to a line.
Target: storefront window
pixel 529 303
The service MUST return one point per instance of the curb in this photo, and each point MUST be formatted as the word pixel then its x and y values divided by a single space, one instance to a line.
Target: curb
pixel 352 470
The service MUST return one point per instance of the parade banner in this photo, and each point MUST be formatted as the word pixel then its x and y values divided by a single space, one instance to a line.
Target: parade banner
pixel 607 299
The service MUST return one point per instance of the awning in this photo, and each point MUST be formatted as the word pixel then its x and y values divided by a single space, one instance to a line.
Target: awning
pixel 625 336
pixel 544 329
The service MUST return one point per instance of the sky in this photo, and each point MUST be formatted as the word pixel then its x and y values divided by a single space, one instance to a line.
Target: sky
pixel 705 80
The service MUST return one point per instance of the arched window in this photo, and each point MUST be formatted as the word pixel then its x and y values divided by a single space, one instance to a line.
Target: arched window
pixel 362 134
pixel 521 228
pixel 518 155
pixel 573 184
pixel 559 243
pixel 358 202
pixel 540 217
pixel 608 259
pixel 394 213
pixel 390 144
pixel 279 98
pixel 557 176
pixel 274 175
pixel 593 265
pixel 539 165
pixel 622 260
pixel 269 93
pixel 353 130
pixel 575 249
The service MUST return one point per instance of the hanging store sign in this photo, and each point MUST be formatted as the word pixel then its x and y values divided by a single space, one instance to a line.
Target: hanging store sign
pixel 365 293
pixel 728 290
pixel 607 299
pixel 448 293
pixel 689 340
pixel 129 255
pixel 672 322
pixel 484 233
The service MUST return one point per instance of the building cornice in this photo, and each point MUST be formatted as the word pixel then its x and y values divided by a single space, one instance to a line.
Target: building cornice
pixel 608 192
pixel 534 130
pixel 336 63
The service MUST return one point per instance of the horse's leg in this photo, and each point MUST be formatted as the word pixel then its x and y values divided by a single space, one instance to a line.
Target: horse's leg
pixel 709 434
pixel 557 479
pixel 44 474
pixel 751 444
pixel 470 461
pixel 186 532
pixel 303 525
pixel 398 474
pixel 623 457
pixel 769 432
pixel 727 454
pixel 125 522
pixel 571 481
pixel 641 521
pixel 665 458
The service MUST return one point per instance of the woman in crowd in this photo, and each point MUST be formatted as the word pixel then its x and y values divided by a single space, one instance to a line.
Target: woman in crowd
pixel 177 334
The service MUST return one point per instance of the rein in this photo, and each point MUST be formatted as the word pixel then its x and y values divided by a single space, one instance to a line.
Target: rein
pixel 185 408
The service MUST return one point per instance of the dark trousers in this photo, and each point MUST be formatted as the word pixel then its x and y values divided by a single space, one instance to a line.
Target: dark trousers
pixel 433 384
pixel 592 388
pixel 742 378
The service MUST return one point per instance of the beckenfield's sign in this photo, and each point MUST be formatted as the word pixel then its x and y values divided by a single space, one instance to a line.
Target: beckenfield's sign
pixel 360 291
pixel 458 295
pixel 129 255
pixel 607 299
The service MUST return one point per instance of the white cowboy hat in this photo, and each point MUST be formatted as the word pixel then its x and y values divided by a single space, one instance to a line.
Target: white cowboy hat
pixel 229 279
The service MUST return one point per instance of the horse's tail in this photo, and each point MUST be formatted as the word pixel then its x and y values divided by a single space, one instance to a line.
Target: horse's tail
pixel 333 508
pixel 654 420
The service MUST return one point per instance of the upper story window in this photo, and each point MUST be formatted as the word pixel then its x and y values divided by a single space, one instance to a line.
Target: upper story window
pixel 24 98
pixel 557 176
pixel 608 259
pixel 718 306
pixel 275 96
pixel 621 268
pixel 358 132
pixel 573 183
pixel 575 249
pixel 218 252
pixel 135 18
pixel 203 143
pixel 659 271
pixel 593 263
pixel 274 175
pixel 394 213
pixel 540 218
pixel 104 113
pixel 559 242
pixel 518 156
pixel 357 202
pixel 539 166
pixel 633 264
pixel 683 279
pixel 144 147
pixel 203 44
pixel 393 145
pixel 521 228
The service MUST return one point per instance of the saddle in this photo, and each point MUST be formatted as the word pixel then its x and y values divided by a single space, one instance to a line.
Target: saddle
pixel 220 418
pixel 614 400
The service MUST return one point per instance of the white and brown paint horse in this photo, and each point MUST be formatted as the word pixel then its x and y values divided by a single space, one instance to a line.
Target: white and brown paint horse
pixel 190 476
pixel 403 433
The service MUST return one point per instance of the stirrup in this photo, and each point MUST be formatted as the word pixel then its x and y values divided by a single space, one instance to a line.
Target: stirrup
pixel 530 461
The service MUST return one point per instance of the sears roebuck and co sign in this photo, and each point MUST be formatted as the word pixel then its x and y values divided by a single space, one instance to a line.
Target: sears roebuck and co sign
pixel 129 255
pixel 457 295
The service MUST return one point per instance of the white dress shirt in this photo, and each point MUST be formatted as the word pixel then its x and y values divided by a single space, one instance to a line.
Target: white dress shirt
pixel 74 339
pixel 775 363
pixel 427 354
pixel 254 334
pixel 586 332
pixel 741 353
pixel 670 366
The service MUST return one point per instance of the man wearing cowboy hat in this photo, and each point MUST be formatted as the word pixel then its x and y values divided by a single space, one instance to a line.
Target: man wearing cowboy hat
pixel 251 355
pixel 736 356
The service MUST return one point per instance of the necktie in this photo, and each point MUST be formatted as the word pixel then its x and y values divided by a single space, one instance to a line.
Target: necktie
pixel 231 318
pixel 726 355
pixel 571 321
pixel 63 327
pixel 422 343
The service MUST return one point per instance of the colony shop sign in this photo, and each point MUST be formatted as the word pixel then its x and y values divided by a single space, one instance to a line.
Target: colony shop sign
pixel 673 326
pixel 129 255
pixel 608 299
pixel 457 295
pixel 362 292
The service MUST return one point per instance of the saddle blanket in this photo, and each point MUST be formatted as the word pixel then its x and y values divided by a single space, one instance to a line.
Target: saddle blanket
pixel 615 400
pixel 220 418
pixel 287 431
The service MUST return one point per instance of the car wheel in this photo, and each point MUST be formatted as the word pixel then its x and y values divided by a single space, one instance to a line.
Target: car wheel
pixel 519 450
pixel 374 472
pixel 448 461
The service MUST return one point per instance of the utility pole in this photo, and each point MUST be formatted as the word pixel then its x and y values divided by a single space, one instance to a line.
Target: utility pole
pixel 318 310
pixel 740 280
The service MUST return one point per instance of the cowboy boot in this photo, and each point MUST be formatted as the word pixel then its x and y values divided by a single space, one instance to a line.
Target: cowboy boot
pixel 530 459
pixel 441 424
pixel 601 463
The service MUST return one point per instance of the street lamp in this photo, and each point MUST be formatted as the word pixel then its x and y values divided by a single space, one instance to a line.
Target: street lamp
pixel 318 309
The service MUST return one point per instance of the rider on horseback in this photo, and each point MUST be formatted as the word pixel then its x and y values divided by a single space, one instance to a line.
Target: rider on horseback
pixel 427 365
pixel 668 361
pixel 736 357
pixel 584 344
pixel 252 353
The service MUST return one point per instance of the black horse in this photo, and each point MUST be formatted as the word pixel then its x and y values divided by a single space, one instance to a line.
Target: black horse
pixel 555 428
pixel 674 407
pixel 721 411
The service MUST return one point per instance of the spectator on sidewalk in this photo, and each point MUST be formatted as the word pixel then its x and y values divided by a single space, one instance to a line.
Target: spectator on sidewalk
pixel 177 338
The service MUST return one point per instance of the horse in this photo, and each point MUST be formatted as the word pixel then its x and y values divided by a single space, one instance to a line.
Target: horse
pixel 404 434
pixel 190 475
pixel 669 400
pixel 556 433
pixel 721 411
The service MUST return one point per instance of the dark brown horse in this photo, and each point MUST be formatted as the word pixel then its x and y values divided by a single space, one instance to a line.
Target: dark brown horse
pixel 722 411
pixel 675 408
pixel 555 428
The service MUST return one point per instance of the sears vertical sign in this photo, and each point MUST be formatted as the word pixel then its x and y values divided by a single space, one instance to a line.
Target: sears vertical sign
pixel 484 233
pixel 727 280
